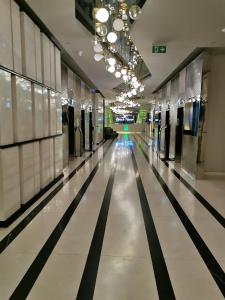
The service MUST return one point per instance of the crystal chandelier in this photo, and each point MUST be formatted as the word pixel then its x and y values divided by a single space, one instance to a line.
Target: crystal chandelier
pixel 114 46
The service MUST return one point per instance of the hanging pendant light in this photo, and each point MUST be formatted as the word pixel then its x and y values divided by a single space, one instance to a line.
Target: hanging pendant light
pixel 98 48
pixel 117 74
pixel 110 69
pixel 113 48
pixel 124 71
pixel 101 29
pixel 111 61
pixel 112 37
pixel 105 42
pixel 102 15
pixel 98 57
pixel 118 24
pixel 135 12
pixel 125 77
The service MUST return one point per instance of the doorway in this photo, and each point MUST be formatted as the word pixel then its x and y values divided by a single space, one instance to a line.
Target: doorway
pixel 71 130
pixel 179 132
pixel 167 135
pixel 90 131
pixel 82 125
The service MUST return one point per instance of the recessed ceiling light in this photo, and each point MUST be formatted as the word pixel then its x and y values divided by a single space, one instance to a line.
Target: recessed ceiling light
pixel 223 30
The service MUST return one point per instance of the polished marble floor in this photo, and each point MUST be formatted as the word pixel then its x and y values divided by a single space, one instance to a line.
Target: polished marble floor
pixel 122 226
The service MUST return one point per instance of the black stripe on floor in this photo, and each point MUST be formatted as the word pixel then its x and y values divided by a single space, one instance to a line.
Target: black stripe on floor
pixel 210 261
pixel 163 283
pixel 28 280
pixel 201 199
pixel 194 192
pixel 10 237
pixel 87 285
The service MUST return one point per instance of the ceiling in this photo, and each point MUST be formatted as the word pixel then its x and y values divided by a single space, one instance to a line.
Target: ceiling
pixel 183 25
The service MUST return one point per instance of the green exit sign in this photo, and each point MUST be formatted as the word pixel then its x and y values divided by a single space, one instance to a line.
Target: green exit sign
pixel 158 49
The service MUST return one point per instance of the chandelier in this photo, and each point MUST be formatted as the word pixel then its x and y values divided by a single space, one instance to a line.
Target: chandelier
pixel 114 46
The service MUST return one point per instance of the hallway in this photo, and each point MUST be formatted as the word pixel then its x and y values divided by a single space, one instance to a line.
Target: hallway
pixel 119 226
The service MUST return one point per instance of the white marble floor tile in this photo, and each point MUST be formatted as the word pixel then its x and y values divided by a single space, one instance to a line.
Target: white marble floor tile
pixel 125 278
pixel 61 279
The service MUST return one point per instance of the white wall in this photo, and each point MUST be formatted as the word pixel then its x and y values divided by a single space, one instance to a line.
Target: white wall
pixel 173 115
pixel 215 140
pixel 193 89
pixel 25 109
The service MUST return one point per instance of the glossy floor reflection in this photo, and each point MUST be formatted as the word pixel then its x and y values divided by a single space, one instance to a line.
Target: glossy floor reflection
pixel 115 231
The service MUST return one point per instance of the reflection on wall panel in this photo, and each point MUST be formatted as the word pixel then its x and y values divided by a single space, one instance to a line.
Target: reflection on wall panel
pixel 37 178
pixel 52 64
pixel 46 63
pixel 213 127
pixel 26 172
pixel 194 78
pixel 58 114
pixel 6 118
pixel 52 161
pixel 70 83
pixel 38 113
pixel 52 113
pixel 22 109
pixel 173 114
pixel 45 162
pixel 6 55
pixel 16 35
pixel 190 145
pixel 78 89
pixel 57 69
pixel 28 46
pixel 45 112
pixel 82 92
pixel 168 90
pixel 99 118
pixel 193 89
pixel 58 149
pixel 182 82
pixel 38 53
pixel 64 78
pixel 10 182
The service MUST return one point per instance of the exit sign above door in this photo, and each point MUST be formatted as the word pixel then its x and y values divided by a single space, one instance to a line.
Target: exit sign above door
pixel 159 49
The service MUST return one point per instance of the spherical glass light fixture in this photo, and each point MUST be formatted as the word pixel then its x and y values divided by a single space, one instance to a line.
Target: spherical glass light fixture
pixel 112 61
pixel 124 17
pixel 142 88
pixel 110 69
pixel 124 71
pixel 98 56
pixel 102 15
pixel 118 24
pixel 135 12
pixel 134 79
pixel 113 48
pixel 118 74
pixel 112 37
pixel 101 29
pixel 98 48
pixel 125 77
pixel 136 85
